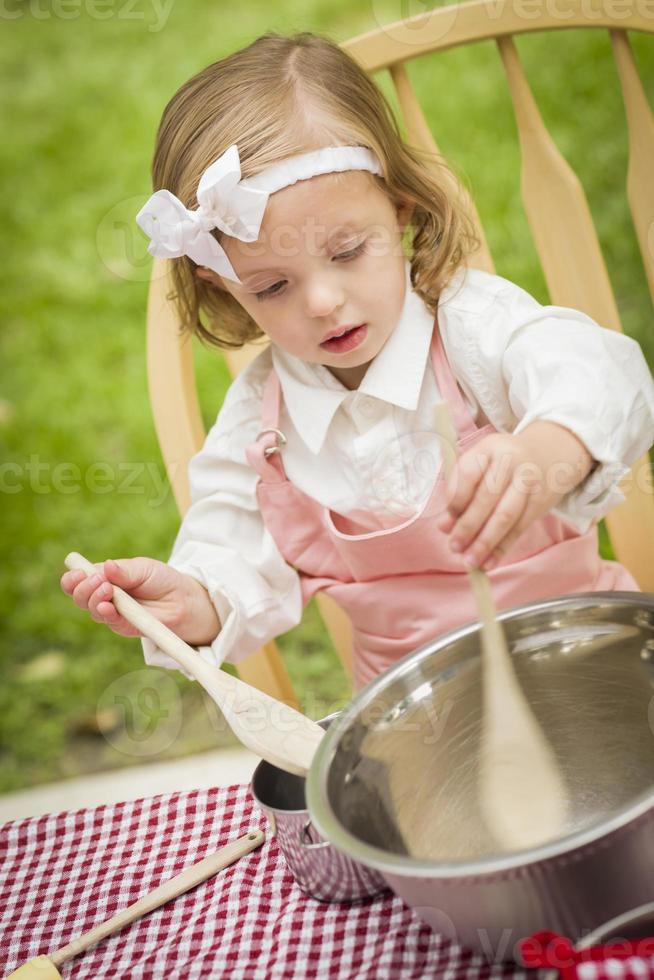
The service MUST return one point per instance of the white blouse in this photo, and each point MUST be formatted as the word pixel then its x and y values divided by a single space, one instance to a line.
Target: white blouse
pixel 371 454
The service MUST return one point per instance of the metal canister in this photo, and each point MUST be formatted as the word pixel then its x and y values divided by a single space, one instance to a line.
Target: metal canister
pixel 318 868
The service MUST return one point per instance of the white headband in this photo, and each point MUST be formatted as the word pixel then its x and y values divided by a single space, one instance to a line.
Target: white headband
pixel 233 205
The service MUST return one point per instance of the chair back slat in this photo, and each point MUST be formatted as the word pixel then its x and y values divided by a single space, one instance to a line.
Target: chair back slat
pixel 339 628
pixel 171 383
pixel 266 671
pixel 556 208
pixel 640 173
pixel 576 275
pixel 239 359
pixel 421 136
pixel 631 524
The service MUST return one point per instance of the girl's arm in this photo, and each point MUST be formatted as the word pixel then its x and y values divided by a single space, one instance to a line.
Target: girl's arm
pixel 223 544
pixel 573 403
pixel 505 483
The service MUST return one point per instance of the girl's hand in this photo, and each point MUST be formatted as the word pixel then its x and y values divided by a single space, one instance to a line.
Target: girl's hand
pixel 177 600
pixel 504 483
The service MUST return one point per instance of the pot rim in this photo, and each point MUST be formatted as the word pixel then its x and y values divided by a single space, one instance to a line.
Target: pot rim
pixel 329 827
pixel 605 932
pixel 286 811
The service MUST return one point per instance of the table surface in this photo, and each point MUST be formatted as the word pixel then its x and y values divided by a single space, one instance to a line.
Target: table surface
pixel 63 873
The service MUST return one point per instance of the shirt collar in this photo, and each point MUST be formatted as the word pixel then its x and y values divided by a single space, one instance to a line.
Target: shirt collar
pixel 313 395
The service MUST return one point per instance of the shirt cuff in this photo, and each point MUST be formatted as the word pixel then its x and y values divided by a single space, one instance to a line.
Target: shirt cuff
pixel 598 493
pixel 243 631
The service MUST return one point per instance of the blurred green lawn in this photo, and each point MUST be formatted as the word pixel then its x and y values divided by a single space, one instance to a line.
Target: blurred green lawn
pixel 81 100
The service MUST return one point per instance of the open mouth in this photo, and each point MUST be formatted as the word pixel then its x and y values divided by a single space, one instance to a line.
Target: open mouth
pixel 347 341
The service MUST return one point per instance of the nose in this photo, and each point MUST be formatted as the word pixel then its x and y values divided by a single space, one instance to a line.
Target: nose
pixel 323 295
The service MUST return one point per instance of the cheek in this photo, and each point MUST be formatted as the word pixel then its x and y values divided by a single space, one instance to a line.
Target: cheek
pixel 384 292
pixel 264 315
pixel 385 269
pixel 281 332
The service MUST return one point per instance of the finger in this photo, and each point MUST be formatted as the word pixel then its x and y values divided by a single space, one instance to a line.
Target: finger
pixel 529 515
pixel 464 481
pixel 72 578
pixel 101 595
pixel 445 521
pixel 128 573
pixel 69 580
pixel 84 589
pixel 113 619
pixel 502 522
pixel 502 550
pixel 102 610
pixel 488 493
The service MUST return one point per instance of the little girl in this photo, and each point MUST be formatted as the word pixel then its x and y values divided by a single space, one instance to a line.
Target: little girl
pixel 293 211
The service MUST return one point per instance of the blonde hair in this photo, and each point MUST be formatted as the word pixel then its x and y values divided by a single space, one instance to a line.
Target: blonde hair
pixel 282 96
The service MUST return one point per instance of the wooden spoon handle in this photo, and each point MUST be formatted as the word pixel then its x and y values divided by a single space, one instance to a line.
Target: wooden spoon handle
pixel 492 632
pixel 273 730
pixel 181 883
pixel 521 792
pixel 445 430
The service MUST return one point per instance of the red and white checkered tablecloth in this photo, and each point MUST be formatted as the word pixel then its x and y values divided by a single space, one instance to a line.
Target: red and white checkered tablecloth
pixel 63 873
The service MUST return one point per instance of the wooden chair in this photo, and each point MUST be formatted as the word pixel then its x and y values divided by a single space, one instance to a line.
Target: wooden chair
pixel 559 218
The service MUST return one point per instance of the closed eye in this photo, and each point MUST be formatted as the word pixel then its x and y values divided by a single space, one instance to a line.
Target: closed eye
pixel 343 256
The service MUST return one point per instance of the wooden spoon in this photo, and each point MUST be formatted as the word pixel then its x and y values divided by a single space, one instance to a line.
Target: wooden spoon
pixel 44 967
pixel 521 790
pixel 271 729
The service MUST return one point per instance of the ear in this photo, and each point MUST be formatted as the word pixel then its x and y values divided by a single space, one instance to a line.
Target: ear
pixel 209 276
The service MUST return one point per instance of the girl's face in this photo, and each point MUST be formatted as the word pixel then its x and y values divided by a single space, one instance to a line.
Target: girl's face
pixel 329 257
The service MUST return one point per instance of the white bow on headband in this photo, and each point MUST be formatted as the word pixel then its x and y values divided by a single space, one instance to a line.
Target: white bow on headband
pixel 233 205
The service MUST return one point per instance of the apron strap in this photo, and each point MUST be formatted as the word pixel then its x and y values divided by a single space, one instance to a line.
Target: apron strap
pixel 264 454
pixel 448 387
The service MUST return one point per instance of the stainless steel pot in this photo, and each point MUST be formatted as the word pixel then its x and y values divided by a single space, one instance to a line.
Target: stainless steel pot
pixel 393 784
pixel 318 868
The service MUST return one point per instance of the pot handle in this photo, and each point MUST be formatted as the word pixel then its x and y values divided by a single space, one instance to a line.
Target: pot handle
pixel 305 837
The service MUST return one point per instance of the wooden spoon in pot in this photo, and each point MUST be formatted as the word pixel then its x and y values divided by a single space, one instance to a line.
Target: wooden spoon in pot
pixel 521 791
pixel 268 727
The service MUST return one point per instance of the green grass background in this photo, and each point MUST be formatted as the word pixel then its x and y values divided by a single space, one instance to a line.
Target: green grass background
pixel 81 100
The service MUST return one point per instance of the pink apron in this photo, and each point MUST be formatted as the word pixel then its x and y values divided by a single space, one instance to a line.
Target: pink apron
pixel 403 586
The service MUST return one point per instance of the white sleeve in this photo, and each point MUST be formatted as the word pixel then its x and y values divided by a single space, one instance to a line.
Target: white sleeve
pixel 530 361
pixel 223 542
